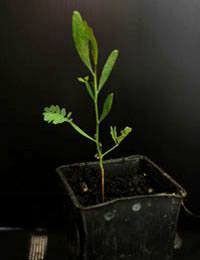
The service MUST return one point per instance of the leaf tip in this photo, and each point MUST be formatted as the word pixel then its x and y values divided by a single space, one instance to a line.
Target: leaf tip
pixel 75 12
pixel 80 80
pixel 116 51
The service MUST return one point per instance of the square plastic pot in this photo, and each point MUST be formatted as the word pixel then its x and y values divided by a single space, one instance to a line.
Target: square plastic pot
pixel 141 227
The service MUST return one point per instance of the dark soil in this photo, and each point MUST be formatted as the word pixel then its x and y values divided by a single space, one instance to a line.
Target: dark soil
pixel 86 185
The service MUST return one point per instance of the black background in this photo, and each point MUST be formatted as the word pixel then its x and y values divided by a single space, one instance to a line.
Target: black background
pixel 156 83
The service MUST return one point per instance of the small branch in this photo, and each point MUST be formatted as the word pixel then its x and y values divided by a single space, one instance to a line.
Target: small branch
pixel 110 150
pixel 80 131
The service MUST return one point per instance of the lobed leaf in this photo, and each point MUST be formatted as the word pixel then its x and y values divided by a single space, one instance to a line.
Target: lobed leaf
pixel 54 115
pixel 123 134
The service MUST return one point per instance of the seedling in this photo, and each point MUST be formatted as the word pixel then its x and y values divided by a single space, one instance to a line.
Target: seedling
pixel 87 48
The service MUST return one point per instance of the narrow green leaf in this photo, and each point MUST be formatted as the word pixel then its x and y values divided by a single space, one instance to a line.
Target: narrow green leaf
pixel 81 39
pixel 113 133
pixel 89 90
pixel 87 85
pixel 107 106
pixel 108 68
pixel 93 42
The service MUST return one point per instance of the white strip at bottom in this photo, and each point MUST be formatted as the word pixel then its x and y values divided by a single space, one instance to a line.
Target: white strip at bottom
pixel 38 247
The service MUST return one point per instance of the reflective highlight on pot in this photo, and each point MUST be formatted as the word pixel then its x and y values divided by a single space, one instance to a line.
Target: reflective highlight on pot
pixel 108 216
pixel 136 207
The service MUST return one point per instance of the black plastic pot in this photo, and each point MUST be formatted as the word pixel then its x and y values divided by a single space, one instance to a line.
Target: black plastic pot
pixel 140 227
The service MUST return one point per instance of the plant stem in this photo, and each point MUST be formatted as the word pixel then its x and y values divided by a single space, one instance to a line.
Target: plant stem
pixel 98 144
pixel 102 178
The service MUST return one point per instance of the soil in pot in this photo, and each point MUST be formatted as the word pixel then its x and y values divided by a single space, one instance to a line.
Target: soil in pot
pixel 121 180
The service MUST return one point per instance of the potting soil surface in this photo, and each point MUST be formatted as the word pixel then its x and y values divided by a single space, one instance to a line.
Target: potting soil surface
pixel 87 186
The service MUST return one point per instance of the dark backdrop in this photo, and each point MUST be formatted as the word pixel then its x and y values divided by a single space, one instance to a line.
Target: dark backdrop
pixel 156 82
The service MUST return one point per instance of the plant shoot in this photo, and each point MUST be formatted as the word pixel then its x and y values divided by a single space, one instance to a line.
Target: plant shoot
pixel 87 48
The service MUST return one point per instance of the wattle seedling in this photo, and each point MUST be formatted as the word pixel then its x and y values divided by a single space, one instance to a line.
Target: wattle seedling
pixel 87 48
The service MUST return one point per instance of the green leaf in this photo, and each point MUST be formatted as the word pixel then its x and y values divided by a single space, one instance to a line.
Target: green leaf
pixel 113 132
pixel 107 106
pixel 89 90
pixel 81 38
pixel 87 85
pixel 57 108
pixel 93 42
pixel 124 133
pixel 108 68
pixel 54 115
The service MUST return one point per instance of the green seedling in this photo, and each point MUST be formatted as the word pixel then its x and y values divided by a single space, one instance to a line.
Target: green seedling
pixel 87 48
